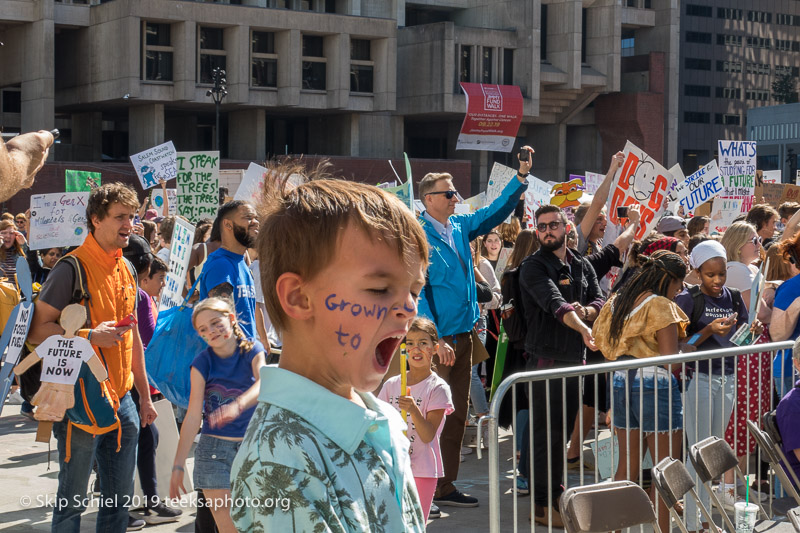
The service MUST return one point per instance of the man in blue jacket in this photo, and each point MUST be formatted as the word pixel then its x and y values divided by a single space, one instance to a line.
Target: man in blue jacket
pixel 449 299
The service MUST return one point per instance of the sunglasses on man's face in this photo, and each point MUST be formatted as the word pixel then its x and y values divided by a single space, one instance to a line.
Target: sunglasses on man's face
pixel 552 225
pixel 447 194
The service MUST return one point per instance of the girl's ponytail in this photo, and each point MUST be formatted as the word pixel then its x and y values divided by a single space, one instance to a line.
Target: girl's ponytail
pixel 223 306
pixel 245 344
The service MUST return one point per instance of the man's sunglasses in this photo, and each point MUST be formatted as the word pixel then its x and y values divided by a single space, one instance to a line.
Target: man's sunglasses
pixel 552 225
pixel 447 194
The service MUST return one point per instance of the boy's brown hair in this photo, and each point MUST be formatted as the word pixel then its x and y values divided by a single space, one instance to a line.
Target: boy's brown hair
pixel 301 227
pixel 101 198
pixel 425 326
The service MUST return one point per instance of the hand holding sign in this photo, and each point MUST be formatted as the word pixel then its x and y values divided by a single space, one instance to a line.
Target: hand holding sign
pixel 62 356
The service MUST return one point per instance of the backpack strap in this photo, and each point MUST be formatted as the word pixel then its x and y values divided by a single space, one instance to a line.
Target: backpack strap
pixel 80 289
pixel 699 303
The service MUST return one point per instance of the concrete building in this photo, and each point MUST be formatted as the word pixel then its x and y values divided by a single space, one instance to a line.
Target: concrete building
pixel 731 52
pixel 777 131
pixel 358 78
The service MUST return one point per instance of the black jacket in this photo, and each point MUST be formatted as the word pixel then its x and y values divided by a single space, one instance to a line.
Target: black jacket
pixel 547 284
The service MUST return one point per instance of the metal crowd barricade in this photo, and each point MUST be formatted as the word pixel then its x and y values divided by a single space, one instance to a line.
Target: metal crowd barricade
pixel 498 480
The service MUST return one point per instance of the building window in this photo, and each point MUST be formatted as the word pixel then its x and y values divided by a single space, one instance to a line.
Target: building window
pixel 695 117
pixel 695 10
pixel 314 63
pixel 263 60
pixel 731 93
pixel 508 66
pixel 788 20
pixel 486 65
pixel 543 34
pixel 698 37
pixel 727 119
pixel 465 64
pixel 729 66
pixel 361 66
pixel 759 16
pixel 692 63
pixel 759 42
pixel 729 40
pixel 627 49
pixel 787 46
pixel 12 101
pixel 785 69
pixel 757 68
pixel 697 90
pixel 212 52
pixel 729 13
pixel 757 95
pixel 157 52
pixel 308 5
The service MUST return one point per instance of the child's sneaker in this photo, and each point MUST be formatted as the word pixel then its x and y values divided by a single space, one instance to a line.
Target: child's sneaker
pixel 15 398
pixel 434 512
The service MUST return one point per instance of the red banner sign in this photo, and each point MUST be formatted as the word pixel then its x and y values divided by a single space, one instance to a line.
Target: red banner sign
pixel 494 113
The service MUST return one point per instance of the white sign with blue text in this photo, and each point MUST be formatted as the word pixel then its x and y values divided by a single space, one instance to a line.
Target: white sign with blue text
pixel 699 188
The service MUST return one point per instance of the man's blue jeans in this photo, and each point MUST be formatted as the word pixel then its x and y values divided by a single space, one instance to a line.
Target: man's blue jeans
pixel 114 469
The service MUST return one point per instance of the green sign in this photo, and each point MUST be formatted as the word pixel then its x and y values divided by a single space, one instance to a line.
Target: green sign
pixel 81 180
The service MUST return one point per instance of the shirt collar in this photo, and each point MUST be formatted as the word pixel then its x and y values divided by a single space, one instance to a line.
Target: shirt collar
pixel 440 228
pixel 339 419
pixel 94 249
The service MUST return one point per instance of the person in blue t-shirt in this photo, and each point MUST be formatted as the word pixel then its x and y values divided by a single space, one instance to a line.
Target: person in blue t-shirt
pixel 786 309
pixel 225 384
pixel 225 273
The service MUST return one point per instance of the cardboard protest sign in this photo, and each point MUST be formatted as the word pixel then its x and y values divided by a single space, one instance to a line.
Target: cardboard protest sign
pixel 698 188
pixel 770 193
pixel 737 166
pixel 640 180
pixel 250 188
pixel 16 328
pixel 592 181
pixel 57 220
pixel 80 180
pixel 494 113
pixel 791 193
pixel 158 201
pixel 537 195
pixel 154 164
pixel 179 252
pixel 198 185
pixel 500 176
pixel 723 212
pixel 772 176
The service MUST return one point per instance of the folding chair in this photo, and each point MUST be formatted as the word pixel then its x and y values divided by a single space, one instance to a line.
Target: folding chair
pixel 794 518
pixel 774 455
pixel 711 458
pixel 770 423
pixel 673 482
pixel 606 507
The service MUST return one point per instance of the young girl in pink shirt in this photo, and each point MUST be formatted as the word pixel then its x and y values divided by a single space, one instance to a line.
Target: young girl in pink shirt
pixel 427 401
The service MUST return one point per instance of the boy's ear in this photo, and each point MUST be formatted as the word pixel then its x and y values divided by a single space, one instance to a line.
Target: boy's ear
pixel 290 290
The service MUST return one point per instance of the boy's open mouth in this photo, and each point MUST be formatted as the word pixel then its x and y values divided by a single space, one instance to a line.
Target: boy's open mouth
pixel 386 348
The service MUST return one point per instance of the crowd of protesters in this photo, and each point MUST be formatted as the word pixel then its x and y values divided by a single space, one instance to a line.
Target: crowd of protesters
pixel 290 345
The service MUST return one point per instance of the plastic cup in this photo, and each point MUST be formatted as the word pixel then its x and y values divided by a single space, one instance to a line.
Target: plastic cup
pixel 745 517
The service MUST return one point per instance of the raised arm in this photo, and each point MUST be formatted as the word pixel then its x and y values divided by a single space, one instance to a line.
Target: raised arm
pixel 20 159
pixel 601 196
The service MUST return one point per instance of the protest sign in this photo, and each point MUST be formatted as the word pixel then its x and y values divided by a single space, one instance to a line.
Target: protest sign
pixel 154 164
pixel 57 220
pixel 20 332
pixel 640 180
pixel 198 184
pixel 81 180
pixel 179 251
pixel 772 176
pixel 158 201
pixel 500 176
pixel 723 212
pixel 567 194
pixel 494 113
pixel 770 193
pixel 592 181
pixel 698 188
pixel 250 188
pixel 791 193
pixel 537 195
pixel 473 203
pixel 737 166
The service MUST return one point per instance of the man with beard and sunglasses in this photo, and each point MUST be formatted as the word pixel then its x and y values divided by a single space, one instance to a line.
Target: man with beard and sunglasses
pixel 225 272
pixel 561 297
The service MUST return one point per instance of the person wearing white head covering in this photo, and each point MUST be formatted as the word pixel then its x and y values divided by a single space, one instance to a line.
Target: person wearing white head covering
pixel 715 313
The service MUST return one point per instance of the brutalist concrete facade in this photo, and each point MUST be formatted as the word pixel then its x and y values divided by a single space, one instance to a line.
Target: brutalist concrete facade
pixel 361 78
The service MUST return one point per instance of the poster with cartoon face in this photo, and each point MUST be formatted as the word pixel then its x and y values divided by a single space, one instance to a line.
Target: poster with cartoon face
pixel 640 180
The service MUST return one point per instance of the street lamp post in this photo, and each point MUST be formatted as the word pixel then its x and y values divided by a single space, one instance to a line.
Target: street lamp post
pixel 218 92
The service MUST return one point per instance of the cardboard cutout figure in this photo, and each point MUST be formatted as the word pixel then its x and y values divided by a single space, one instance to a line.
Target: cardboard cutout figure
pixel 62 356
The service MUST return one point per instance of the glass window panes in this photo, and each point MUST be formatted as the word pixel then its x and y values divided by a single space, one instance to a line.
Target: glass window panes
pixel 263 42
pixel 158 66
pixel 312 46
pixel 208 63
pixel 211 39
pixel 360 49
pixel 314 76
pixel 361 78
pixel 264 72
pixel 157 34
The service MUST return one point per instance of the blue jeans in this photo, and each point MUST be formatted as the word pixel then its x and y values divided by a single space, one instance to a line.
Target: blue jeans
pixel 114 469
pixel 707 409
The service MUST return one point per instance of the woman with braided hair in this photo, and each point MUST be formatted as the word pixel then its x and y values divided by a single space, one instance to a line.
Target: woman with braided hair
pixel 640 321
